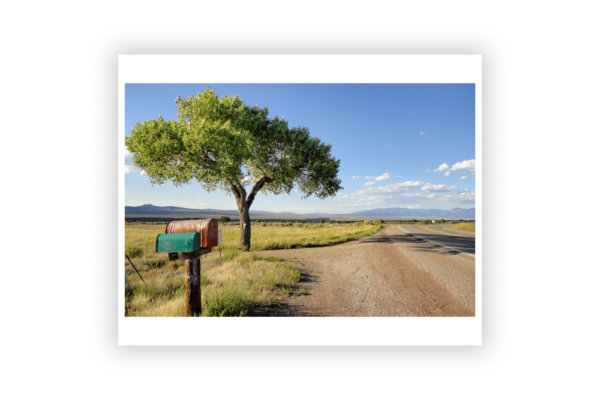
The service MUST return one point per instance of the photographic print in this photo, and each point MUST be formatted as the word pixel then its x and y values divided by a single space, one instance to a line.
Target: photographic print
pixel 300 199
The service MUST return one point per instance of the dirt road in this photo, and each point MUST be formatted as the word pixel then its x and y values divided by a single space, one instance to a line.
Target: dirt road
pixel 388 274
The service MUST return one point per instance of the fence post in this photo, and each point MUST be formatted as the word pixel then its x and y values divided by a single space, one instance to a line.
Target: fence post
pixel 193 295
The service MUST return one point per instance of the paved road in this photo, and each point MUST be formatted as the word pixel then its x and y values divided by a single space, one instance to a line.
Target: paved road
pixel 458 240
pixel 391 273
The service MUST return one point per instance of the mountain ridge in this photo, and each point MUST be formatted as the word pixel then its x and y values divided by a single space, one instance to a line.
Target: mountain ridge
pixel 455 213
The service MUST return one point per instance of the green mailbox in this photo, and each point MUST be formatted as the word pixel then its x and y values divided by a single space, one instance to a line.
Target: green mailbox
pixel 178 242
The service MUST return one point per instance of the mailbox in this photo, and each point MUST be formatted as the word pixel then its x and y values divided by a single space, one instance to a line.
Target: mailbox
pixel 207 228
pixel 178 243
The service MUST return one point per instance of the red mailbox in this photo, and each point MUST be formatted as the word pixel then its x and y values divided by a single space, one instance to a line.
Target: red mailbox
pixel 208 229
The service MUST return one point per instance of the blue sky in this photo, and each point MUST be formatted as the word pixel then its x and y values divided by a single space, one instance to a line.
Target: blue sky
pixel 400 145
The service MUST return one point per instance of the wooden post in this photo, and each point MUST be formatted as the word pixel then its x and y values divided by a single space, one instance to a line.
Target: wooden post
pixel 193 287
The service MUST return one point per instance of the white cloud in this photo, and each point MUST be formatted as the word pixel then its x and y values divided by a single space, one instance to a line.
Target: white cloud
pixel 442 167
pixel 393 188
pixel 413 197
pixel 269 202
pixel 356 177
pixel 343 205
pixel 421 133
pixel 247 181
pixel 463 197
pixel 437 188
pixel 370 183
pixel 201 203
pixel 343 197
pixel 384 177
pixel 373 200
pixel 463 177
pixel 465 165
pixel 447 173
pixel 131 168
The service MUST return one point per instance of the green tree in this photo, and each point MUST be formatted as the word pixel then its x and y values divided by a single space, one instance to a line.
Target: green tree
pixel 225 219
pixel 225 144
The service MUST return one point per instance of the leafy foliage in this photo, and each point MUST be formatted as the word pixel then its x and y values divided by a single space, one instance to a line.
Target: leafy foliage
pixel 225 144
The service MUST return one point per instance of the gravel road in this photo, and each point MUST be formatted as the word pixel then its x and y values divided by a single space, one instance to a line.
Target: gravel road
pixel 388 274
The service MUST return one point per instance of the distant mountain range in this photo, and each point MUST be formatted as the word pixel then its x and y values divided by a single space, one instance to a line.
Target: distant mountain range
pixel 396 212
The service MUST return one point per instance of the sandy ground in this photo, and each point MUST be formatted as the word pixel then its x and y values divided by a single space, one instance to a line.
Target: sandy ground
pixel 388 274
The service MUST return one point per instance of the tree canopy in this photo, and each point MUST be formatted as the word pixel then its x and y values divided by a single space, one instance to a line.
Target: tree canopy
pixel 225 144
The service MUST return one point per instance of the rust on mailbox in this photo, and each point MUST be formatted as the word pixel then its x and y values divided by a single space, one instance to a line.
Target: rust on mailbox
pixel 208 228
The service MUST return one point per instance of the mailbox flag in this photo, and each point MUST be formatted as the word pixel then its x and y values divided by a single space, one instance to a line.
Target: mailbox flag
pixel 220 236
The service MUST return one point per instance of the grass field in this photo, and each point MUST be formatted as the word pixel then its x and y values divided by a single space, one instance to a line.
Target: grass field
pixel 466 226
pixel 236 284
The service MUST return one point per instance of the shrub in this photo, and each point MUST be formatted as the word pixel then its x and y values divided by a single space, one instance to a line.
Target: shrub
pixel 229 302
pixel 133 251
pixel 225 218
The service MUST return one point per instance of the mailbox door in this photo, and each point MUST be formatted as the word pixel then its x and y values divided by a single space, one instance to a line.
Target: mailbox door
pixel 210 233
pixel 178 242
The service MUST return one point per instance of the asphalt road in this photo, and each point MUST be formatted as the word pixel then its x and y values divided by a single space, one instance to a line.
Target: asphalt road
pixel 458 240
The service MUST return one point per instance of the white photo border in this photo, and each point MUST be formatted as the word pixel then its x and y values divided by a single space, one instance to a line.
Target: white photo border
pixel 269 331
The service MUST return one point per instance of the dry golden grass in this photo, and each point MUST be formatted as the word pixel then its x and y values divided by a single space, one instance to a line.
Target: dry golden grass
pixel 465 226
pixel 267 237
pixel 233 284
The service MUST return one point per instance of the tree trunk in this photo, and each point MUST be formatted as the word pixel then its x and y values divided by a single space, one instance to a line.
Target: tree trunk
pixel 245 230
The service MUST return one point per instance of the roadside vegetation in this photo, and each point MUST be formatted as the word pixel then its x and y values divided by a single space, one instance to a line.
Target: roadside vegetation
pixel 234 283
pixel 265 236
pixel 465 226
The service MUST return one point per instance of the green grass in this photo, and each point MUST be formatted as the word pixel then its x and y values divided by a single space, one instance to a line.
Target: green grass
pixel 465 226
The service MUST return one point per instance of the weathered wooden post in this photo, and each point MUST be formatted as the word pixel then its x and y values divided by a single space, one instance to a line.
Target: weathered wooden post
pixel 193 287
pixel 192 239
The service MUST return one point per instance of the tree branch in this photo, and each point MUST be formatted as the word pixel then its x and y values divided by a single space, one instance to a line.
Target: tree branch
pixel 259 185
